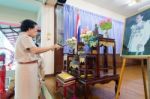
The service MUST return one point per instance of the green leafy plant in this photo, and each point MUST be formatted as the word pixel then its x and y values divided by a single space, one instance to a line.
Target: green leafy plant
pixel 89 38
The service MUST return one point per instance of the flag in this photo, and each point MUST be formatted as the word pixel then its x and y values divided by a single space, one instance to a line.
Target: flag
pixel 77 28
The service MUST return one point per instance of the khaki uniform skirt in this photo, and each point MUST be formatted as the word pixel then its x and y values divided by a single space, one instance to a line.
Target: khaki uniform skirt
pixel 26 81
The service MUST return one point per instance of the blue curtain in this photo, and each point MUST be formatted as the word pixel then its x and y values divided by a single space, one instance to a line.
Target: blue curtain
pixel 89 20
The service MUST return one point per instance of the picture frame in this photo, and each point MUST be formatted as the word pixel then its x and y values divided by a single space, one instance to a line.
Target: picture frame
pixel 136 37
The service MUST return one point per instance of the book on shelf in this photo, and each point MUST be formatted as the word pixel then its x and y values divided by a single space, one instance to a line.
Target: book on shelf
pixel 67 82
pixel 64 76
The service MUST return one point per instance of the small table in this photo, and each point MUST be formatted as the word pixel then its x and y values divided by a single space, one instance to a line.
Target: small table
pixel 108 42
pixel 65 85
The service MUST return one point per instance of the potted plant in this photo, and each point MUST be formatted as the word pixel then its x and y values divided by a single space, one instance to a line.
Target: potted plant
pixel 105 25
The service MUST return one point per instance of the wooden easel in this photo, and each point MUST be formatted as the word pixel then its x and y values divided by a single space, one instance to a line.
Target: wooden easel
pixel 148 77
pixel 144 78
pixel 143 75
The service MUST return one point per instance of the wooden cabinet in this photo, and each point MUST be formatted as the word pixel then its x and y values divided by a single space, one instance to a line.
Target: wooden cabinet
pixel 58 61
pixel 58 38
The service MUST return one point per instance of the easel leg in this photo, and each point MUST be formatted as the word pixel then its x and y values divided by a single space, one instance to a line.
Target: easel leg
pixel 144 79
pixel 120 78
pixel 148 76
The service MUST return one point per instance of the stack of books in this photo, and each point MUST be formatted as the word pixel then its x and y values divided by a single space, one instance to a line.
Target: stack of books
pixel 65 77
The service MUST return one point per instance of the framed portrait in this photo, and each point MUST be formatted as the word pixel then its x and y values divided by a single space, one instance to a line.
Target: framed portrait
pixel 136 38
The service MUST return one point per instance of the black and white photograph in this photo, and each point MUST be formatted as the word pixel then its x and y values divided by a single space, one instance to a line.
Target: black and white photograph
pixel 136 40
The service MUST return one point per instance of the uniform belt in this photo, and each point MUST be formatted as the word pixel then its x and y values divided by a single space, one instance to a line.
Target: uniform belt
pixel 31 62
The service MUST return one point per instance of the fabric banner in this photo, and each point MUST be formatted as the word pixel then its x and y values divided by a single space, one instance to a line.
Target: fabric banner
pixel 78 27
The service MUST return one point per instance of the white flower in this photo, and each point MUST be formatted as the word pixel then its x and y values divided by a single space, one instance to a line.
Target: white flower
pixel 71 42
pixel 86 37
pixel 73 38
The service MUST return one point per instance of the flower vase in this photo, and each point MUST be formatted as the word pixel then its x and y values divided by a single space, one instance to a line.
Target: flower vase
pixel 87 49
pixel 94 50
pixel 105 35
pixel 73 51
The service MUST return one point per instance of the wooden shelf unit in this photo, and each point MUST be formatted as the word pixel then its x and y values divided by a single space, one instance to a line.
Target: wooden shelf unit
pixel 90 70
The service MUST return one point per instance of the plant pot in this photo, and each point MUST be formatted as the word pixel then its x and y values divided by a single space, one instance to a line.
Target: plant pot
pixel 94 50
pixel 105 35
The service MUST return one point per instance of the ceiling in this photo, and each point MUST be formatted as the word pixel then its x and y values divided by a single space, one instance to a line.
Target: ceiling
pixel 121 6
pixel 11 32
pixel 28 5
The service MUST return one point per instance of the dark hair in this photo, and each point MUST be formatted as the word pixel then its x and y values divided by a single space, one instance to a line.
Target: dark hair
pixel 27 24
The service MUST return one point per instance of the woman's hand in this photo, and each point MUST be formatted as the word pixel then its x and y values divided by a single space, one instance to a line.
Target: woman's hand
pixel 56 46
pixel 52 48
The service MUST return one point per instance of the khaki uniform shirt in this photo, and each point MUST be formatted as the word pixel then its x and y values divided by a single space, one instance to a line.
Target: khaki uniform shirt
pixel 23 43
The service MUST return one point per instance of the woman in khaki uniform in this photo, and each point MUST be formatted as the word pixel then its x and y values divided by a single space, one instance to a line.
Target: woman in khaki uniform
pixel 26 75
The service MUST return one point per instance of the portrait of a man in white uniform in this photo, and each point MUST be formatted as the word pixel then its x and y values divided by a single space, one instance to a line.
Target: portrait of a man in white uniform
pixel 137 35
